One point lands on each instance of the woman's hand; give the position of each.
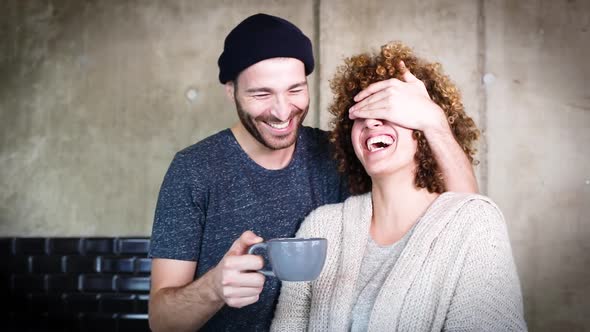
(403, 102)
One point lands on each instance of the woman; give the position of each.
(402, 255)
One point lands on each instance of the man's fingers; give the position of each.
(372, 99)
(241, 291)
(248, 279)
(375, 87)
(243, 263)
(241, 245)
(240, 302)
(243, 277)
(406, 74)
(374, 112)
(383, 106)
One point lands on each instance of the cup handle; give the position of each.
(264, 246)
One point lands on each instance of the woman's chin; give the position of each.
(377, 174)
(386, 173)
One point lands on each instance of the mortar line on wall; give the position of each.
(317, 78)
(482, 106)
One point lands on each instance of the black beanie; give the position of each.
(261, 37)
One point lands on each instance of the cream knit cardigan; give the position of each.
(456, 273)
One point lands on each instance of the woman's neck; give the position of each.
(397, 206)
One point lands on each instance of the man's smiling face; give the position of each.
(272, 100)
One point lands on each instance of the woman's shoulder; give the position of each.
(465, 202)
(478, 210)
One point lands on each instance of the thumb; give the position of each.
(245, 241)
(406, 74)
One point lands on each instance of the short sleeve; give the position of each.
(178, 221)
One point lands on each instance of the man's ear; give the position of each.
(229, 90)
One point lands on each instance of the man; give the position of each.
(259, 179)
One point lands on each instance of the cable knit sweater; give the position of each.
(456, 273)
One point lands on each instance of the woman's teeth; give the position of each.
(379, 142)
(279, 125)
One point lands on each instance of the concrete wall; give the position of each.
(538, 119)
(94, 102)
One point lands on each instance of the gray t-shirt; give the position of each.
(378, 261)
(213, 192)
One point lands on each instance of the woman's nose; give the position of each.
(372, 123)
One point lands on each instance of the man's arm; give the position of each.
(456, 168)
(407, 104)
(177, 303)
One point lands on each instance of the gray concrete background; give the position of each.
(94, 102)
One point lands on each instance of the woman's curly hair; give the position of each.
(357, 73)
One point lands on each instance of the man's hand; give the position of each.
(235, 279)
(179, 303)
(405, 103)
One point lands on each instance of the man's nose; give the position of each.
(281, 109)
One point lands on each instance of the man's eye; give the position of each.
(296, 90)
(262, 95)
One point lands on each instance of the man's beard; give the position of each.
(279, 142)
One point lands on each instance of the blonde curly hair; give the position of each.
(357, 73)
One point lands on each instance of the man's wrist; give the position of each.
(210, 291)
(438, 127)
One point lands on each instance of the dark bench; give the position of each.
(74, 284)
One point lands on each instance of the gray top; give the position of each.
(378, 261)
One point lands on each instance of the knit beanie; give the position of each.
(260, 37)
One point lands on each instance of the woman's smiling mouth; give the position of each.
(379, 142)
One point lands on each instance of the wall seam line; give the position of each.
(317, 51)
(482, 105)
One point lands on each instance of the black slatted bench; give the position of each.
(74, 284)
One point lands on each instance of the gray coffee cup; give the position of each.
(294, 259)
